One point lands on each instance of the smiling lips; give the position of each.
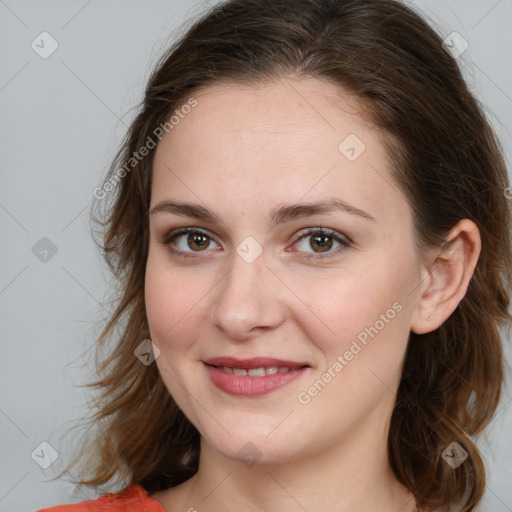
(250, 377)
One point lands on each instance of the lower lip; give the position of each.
(251, 386)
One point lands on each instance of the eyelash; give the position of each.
(344, 241)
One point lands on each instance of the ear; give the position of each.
(446, 277)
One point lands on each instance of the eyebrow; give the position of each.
(278, 215)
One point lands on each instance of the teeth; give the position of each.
(256, 372)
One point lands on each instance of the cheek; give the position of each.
(174, 302)
(363, 355)
(345, 303)
(364, 304)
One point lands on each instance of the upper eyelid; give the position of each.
(175, 233)
(320, 229)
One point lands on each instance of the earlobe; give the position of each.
(447, 277)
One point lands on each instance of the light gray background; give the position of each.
(62, 118)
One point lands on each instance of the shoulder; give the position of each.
(132, 499)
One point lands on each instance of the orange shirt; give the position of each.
(132, 499)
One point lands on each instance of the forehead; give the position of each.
(287, 105)
(279, 142)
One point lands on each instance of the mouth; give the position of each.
(256, 372)
(250, 377)
(255, 366)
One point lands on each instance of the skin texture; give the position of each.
(241, 152)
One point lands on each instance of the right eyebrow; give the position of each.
(185, 210)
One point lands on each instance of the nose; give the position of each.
(250, 299)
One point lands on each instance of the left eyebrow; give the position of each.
(278, 215)
(289, 212)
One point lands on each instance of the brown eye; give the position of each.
(197, 242)
(187, 241)
(323, 242)
(318, 243)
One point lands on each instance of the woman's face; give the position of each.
(256, 173)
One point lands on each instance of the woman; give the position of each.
(310, 226)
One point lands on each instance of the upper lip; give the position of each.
(254, 362)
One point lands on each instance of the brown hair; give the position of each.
(447, 162)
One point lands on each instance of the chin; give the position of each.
(251, 447)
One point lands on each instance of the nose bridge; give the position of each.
(246, 298)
